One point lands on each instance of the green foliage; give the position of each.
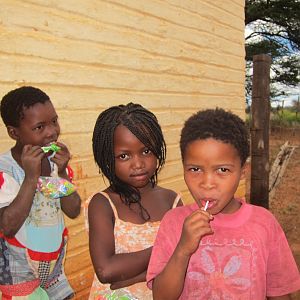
(275, 26)
(285, 118)
(280, 117)
(283, 13)
(273, 48)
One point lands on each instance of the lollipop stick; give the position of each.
(206, 205)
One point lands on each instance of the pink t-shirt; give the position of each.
(247, 257)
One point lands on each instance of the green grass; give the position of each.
(285, 118)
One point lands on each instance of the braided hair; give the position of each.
(217, 124)
(144, 125)
(15, 101)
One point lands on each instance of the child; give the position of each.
(129, 149)
(32, 231)
(233, 250)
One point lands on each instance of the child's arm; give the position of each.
(109, 266)
(120, 284)
(169, 283)
(14, 215)
(70, 205)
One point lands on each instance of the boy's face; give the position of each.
(212, 171)
(39, 127)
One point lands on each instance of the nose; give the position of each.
(52, 131)
(208, 181)
(138, 162)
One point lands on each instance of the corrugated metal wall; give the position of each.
(174, 57)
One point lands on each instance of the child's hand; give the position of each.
(194, 228)
(31, 159)
(61, 158)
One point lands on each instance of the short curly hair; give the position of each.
(14, 102)
(217, 124)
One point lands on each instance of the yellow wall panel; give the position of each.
(174, 57)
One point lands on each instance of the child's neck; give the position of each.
(146, 188)
(16, 154)
(233, 206)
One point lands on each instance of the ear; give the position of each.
(12, 132)
(245, 169)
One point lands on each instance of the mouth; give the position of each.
(49, 144)
(208, 202)
(140, 176)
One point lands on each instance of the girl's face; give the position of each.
(39, 127)
(212, 171)
(135, 164)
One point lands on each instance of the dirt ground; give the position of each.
(285, 204)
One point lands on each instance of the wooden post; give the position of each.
(260, 109)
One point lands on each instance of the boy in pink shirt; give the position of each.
(219, 247)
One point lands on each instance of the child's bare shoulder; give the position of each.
(167, 194)
(99, 204)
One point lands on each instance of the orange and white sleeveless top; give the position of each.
(129, 237)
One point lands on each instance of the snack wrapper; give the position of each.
(55, 187)
(118, 295)
(52, 147)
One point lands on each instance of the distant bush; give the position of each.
(285, 118)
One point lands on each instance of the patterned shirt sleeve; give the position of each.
(9, 189)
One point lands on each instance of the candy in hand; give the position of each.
(52, 147)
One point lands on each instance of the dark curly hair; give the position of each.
(144, 125)
(220, 125)
(14, 102)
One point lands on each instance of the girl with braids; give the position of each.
(130, 150)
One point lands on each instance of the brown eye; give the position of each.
(37, 128)
(223, 170)
(123, 156)
(147, 151)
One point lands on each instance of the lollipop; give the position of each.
(53, 147)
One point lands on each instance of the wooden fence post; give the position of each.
(260, 110)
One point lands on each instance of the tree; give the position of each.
(275, 30)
